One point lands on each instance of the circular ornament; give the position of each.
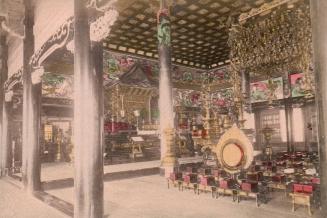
(232, 155)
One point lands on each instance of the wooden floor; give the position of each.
(148, 197)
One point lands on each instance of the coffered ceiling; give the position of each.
(199, 30)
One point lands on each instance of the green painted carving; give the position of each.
(187, 77)
(52, 79)
(56, 85)
(164, 28)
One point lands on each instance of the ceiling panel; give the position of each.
(199, 29)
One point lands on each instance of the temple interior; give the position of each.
(219, 104)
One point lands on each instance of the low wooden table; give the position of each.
(301, 199)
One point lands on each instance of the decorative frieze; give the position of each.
(13, 80)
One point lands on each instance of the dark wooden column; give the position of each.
(289, 124)
(245, 89)
(288, 107)
(88, 119)
(165, 89)
(6, 142)
(5, 136)
(319, 33)
(258, 127)
(31, 110)
(3, 77)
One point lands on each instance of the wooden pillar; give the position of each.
(149, 108)
(165, 89)
(88, 119)
(6, 142)
(319, 33)
(6, 111)
(304, 109)
(258, 136)
(288, 107)
(6, 105)
(3, 78)
(289, 124)
(245, 89)
(31, 167)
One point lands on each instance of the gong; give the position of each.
(233, 155)
(234, 150)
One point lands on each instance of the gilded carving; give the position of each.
(170, 157)
(265, 7)
(278, 43)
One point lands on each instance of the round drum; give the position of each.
(232, 155)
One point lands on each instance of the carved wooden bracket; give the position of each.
(59, 39)
(13, 80)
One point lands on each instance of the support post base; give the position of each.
(168, 166)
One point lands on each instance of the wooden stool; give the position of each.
(247, 195)
(301, 199)
(207, 184)
(229, 192)
(190, 182)
(175, 179)
(248, 190)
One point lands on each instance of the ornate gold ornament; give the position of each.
(278, 43)
(271, 86)
(267, 133)
(267, 7)
(170, 158)
(234, 150)
(236, 81)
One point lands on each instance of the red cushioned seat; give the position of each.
(175, 176)
(249, 187)
(315, 180)
(225, 184)
(299, 188)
